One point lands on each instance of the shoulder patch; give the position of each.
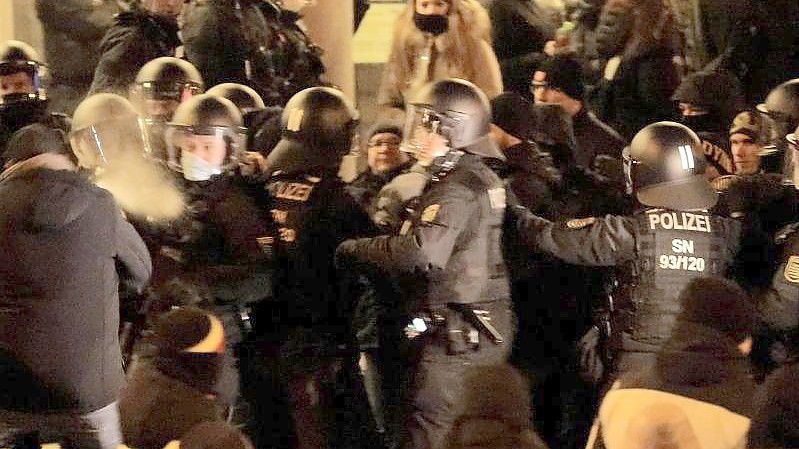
(497, 197)
(791, 272)
(430, 212)
(579, 223)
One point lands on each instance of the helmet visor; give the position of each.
(419, 123)
(158, 101)
(790, 174)
(628, 163)
(104, 142)
(219, 146)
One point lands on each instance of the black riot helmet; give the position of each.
(665, 168)
(162, 84)
(244, 97)
(317, 129)
(781, 112)
(455, 109)
(103, 126)
(204, 125)
(19, 57)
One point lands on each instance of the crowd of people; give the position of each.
(576, 227)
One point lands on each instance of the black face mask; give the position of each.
(702, 123)
(14, 116)
(431, 23)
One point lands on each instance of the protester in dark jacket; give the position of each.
(64, 246)
(702, 369)
(172, 391)
(137, 37)
(558, 80)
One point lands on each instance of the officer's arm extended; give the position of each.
(425, 246)
(604, 241)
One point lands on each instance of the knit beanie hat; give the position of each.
(561, 72)
(719, 304)
(514, 114)
(189, 345)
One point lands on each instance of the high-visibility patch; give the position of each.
(579, 223)
(430, 213)
(791, 272)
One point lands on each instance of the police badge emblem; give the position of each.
(791, 272)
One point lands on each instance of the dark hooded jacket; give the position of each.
(64, 246)
(135, 38)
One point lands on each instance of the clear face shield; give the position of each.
(423, 135)
(774, 154)
(790, 174)
(200, 152)
(157, 102)
(628, 163)
(103, 143)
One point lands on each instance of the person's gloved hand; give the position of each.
(252, 165)
(396, 194)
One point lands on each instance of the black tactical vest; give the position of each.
(673, 248)
(306, 233)
(475, 272)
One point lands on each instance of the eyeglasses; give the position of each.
(391, 144)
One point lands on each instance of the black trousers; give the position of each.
(438, 375)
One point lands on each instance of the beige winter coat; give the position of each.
(464, 51)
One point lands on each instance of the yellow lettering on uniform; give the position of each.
(280, 216)
(293, 191)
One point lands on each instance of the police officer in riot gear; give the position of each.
(253, 110)
(302, 339)
(672, 240)
(218, 245)
(779, 308)
(460, 310)
(23, 100)
(159, 88)
(781, 109)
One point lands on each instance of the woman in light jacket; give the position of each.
(439, 39)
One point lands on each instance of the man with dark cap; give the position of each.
(559, 80)
(146, 32)
(702, 369)
(173, 390)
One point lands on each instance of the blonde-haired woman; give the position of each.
(439, 39)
